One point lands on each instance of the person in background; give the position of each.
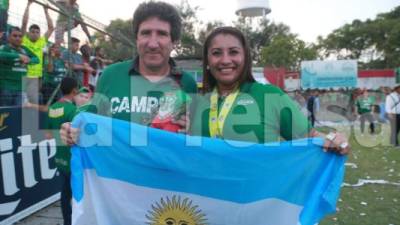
(364, 104)
(62, 25)
(392, 107)
(86, 52)
(98, 63)
(4, 5)
(60, 112)
(73, 61)
(83, 97)
(56, 71)
(14, 59)
(313, 106)
(385, 91)
(235, 107)
(37, 44)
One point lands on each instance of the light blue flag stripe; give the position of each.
(298, 172)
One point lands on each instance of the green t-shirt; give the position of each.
(260, 114)
(11, 69)
(4, 4)
(61, 112)
(123, 93)
(35, 71)
(364, 105)
(59, 72)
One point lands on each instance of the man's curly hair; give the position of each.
(162, 11)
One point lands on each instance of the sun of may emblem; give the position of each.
(175, 212)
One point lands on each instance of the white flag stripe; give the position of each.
(132, 203)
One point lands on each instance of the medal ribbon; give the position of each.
(217, 121)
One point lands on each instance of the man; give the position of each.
(73, 61)
(4, 4)
(14, 59)
(62, 21)
(36, 43)
(364, 105)
(60, 112)
(392, 107)
(98, 63)
(313, 106)
(131, 90)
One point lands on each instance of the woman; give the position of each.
(235, 107)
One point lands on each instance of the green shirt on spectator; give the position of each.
(364, 105)
(4, 4)
(61, 112)
(11, 68)
(59, 72)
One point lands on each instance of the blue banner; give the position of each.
(329, 74)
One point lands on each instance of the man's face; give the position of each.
(154, 43)
(15, 39)
(34, 34)
(75, 47)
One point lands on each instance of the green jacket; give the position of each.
(4, 4)
(11, 68)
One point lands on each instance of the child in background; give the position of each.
(60, 112)
(83, 97)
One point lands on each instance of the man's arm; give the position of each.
(25, 18)
(50, 25)
(8, 57)
(85, 29)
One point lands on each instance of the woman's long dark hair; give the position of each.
(209, 82)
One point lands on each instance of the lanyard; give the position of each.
(217, 121)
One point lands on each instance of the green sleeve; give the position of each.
(293, 124)
(188, 83)
(32, 56)
(8, 57)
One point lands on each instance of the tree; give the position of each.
(116, 49)
(189, 45)
(375, 43)
(287, 51)
(261, 35)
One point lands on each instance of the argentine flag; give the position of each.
(123, 173)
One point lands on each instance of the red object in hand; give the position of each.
(165, 124)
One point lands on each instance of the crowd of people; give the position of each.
(381, 106)
(32, 66)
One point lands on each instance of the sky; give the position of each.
(307, 18)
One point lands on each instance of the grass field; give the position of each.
(370, 204)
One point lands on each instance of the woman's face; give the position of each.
(226, 59)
